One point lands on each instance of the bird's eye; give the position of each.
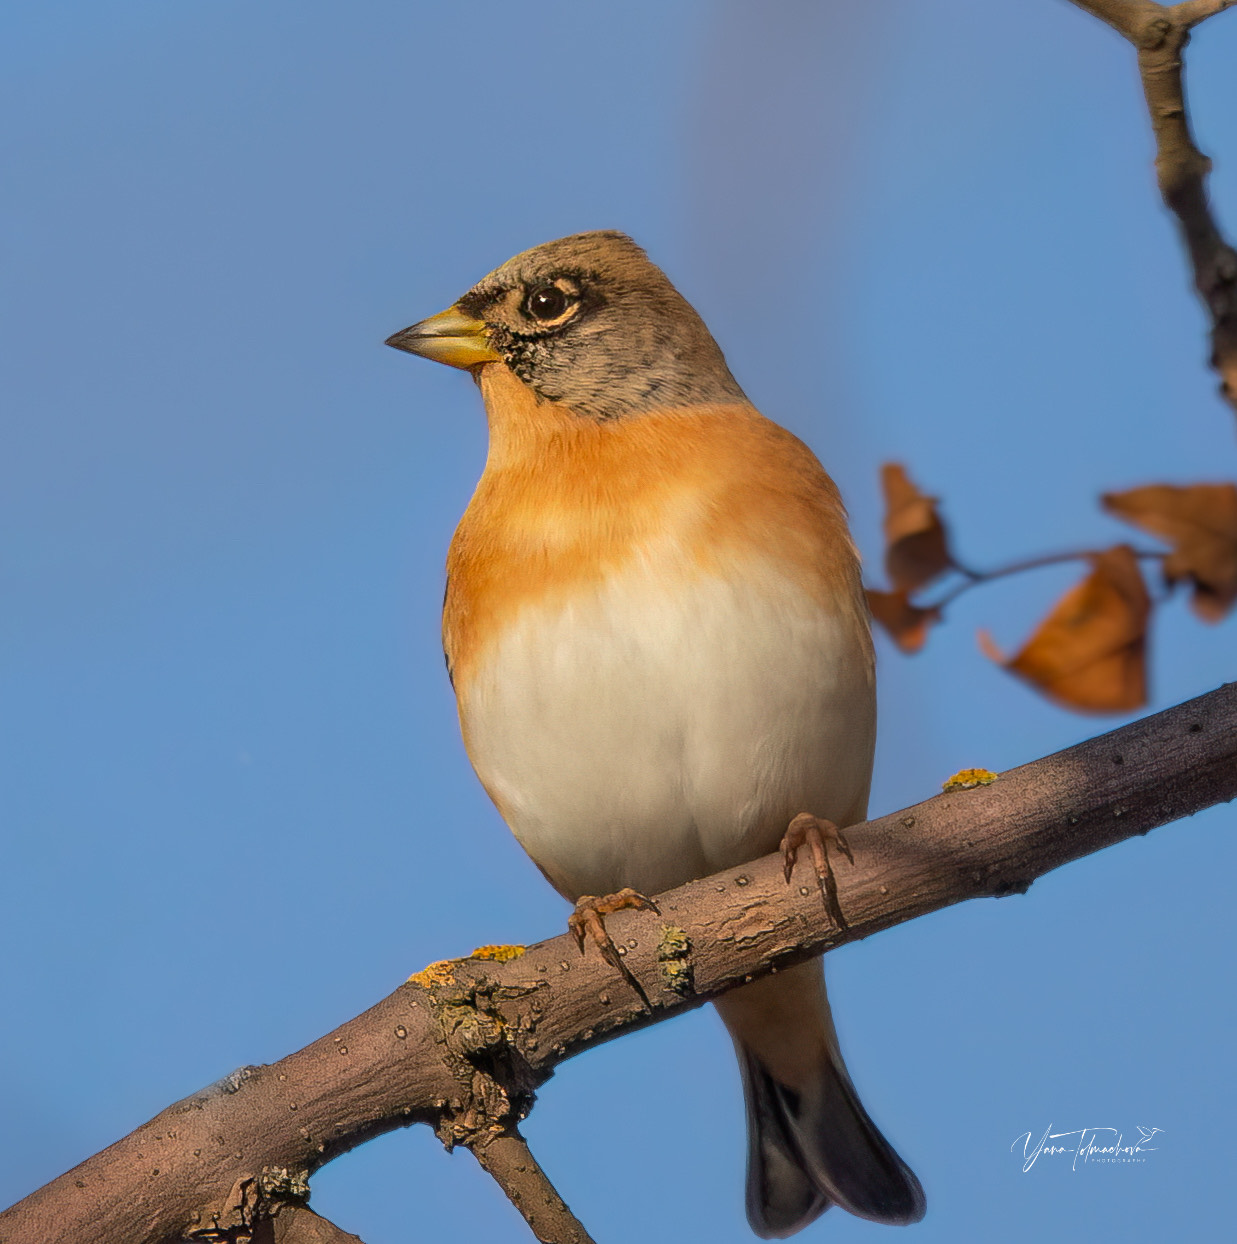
(546, 302)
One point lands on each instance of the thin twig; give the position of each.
(508, 1158)
(1160, 34)
(973, 578)
(1130, 18)
(1191, 12)
(1143, 21)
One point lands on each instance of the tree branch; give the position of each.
(508, 1158)
(298, 1224)
(464, 1050)
(973, 578)
(1160, 33)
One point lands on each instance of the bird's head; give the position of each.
(586, 321)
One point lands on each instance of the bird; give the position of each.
(656, 630)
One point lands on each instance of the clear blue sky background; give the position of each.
(235, 810)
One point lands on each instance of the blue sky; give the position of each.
(235, 809)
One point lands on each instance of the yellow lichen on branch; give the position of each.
(968, 779)
(498, 954)
(440, 973)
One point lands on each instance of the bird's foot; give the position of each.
(817, 834)
(587, 921)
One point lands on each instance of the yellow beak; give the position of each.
(449, 337)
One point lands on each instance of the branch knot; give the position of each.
(495, 1081)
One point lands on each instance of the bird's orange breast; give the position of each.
(565, 501)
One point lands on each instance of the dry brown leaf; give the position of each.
(907, 624)
(1200, 523)
(1089, 653)
(916, 545)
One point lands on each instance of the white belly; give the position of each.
(649, 732)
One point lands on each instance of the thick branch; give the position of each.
(464, 1051)
(1160, 33)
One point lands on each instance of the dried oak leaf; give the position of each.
(907, 624)
(1200, 523)
(1089, 653)
(916, 546)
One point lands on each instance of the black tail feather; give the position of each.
(781, 1199)
(808, 1150)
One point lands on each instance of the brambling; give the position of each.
(660, 649)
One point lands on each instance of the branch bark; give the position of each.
(298, 1224)
(1160, 33)
(508, 1159)
(464, 1050)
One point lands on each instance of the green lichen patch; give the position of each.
(674, 960)
(280, 1184)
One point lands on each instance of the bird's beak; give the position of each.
(449, 337)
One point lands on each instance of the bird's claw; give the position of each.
(587, 922)
(817, 834)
